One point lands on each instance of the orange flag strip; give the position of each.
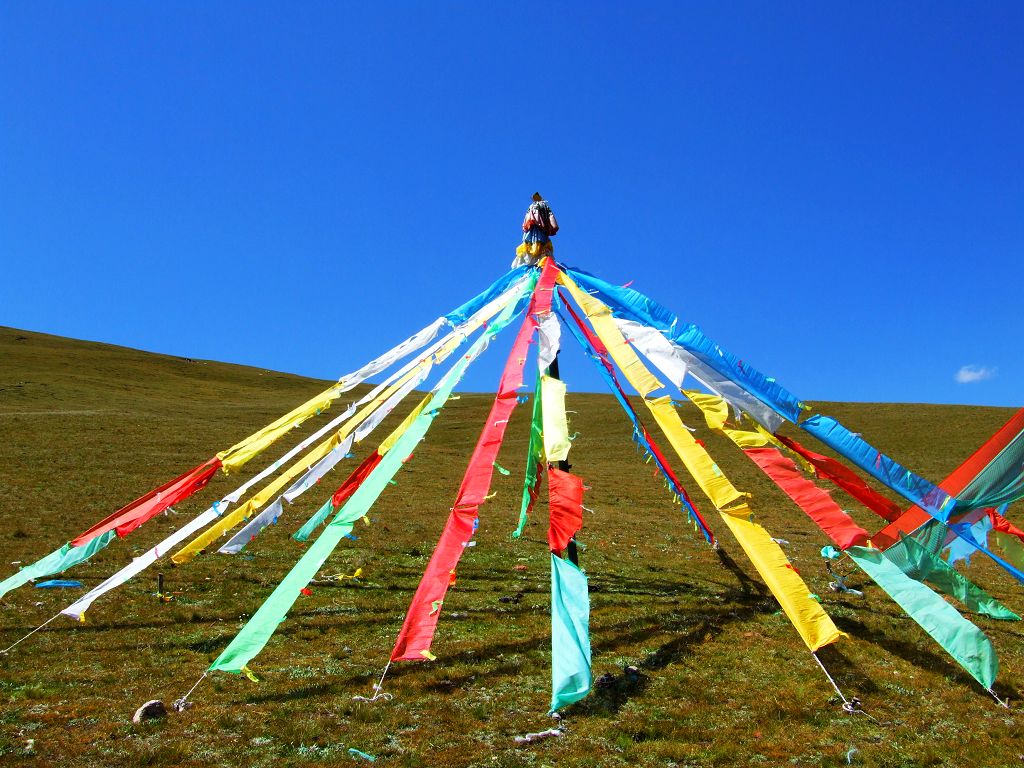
(957, 481)
(813, 625)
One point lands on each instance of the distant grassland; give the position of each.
(723, 678)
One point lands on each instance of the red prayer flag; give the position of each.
(846, 479)
(417, 631)
(565, 498)
(816, 502)
(131, 516)
(353, 481)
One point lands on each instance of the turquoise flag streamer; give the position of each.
(314, 522)
(56, 562)
(254, 635)
(959, 637)
(919, 563)
(570, 634)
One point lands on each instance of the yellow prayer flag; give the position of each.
(811, 622)
(280, 483)
(556, 426)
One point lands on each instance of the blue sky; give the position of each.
(834, 192)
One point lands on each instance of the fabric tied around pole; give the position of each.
(571, 677)
(556, 425)
(565, 498)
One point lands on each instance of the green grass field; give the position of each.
(723, 679)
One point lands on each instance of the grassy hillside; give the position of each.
(722, 678)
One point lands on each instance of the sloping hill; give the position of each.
(721, 678)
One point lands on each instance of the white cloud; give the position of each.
(969, 374)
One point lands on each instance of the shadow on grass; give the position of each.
(297, 694)
(847, 674)
(920, 658)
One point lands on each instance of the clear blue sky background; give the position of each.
(834, 192)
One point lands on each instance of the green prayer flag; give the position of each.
(314, 522)
(534, 460)
(959, 637)
(570, 634)
(56, 562)
(918, 563)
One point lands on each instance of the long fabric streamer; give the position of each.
(549, 335)
(676, 363)
(756, 444)
(814, 501)
(258, 630)
(555, 426)
(417, 631)
(78, 608)
(152, 504)
(594, 348)
(960, 638)
(813, 625)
